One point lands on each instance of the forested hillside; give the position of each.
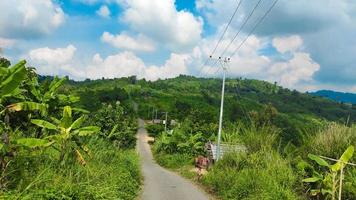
(198, 99)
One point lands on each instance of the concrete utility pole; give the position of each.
(165, 124)
(224, 64)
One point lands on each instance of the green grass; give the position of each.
(173, 161)
(110, 173)
(261, 175)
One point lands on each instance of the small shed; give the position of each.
(211, 148)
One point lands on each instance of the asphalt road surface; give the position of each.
(159, 183)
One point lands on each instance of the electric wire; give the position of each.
(239, 31)
(241, 27)
(254, 28)
(221, 37)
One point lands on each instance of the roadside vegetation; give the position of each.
(64, 139)
(52, 147)
(280, 140)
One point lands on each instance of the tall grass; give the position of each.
(259, 173)
(110, 173)
(332, 140)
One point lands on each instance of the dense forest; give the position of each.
(65, 139)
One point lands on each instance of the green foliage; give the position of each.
(332, 140)
(109, 174)
(326, 182)
(67, 133)
(117, 125)
(260, 175)
(181, 142)
(11, 78)
(154, 130)
(39, 125)
(173, 161)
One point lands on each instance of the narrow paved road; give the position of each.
(159, 183)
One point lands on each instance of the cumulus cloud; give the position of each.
(294, 71)
(125, 41)
(128, 64)
(327, 30)
(287, 44)
(104, 11)
(160, 20)
(174, 66)
(52, 61)
(61, 61)
(53, 56)
(300, 68)
(29, 19)
(119, 65)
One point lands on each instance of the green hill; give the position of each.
(199, 99)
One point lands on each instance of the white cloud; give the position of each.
(176, 65)
(159, 20)
(295, 72)
(287, 44)
(30, 18)
(122, 64)
(104, 11)
(119, 65)
(49, 61)
(124, 41)
(53, 56)
(300, 68)
(6, 43)
(128, 64)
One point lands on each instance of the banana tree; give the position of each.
(68, 134)
(10, 79)
(329, 182)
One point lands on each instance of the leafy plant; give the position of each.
(327, 183)
(68, 134)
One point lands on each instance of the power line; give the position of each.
(241, 27)
(254, 28)
(221, 37)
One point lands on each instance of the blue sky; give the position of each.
(304, 45)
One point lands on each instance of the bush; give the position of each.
(173, 161)
(154, 130)
(109, 174)
(261, 175)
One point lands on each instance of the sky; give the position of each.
(304, 45)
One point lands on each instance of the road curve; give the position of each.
(159, 183)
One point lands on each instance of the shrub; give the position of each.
(260, 175)
(110, 174)
(173, 161)
(154, 130)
